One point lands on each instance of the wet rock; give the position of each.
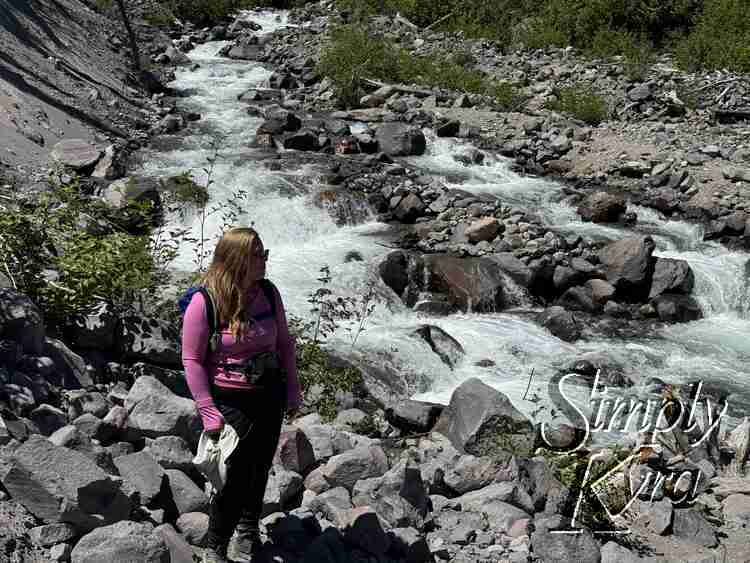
(443, 344)
(677, 308)
(629, 266)
(448, 129)
(485, 228)
(482, 421)
(393, 271)
(121, 543)
(398, 139)
(602, 207)
(77, 154)
(671, 276)
(303, 140)
(409, 209)
(561, 323)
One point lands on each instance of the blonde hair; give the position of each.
(226, 276)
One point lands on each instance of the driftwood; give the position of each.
(731, 115)
(438, 22)
(714, 84)
(419, 92)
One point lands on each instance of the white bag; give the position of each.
(212, 454)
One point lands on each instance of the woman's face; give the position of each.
(256, 269)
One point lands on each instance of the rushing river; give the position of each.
(302, 238)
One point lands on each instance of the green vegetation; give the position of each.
(704, 33)
(66, 251)
(353, 54)
(720, 38)
(582, 102)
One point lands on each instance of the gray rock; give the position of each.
(614, 553)
(468, 473)
(345, 469)
(482, 421)
(60, 552)
(485, 228)
(61, 485)
(736, 509)
(398, 139)
(193, 526)
(443, 344)
(629, 266)
(171, 452)
(185, 493)
(363, 529)
(149, 340)
(333, 505)
(736, 174)
(658, 515)
(142, 473)
(677, 308)
(671, 276)
(603, 207)
(482, 500)
(690, 525)
(561, 323)
(76, 154)
(640, 93)
(561, 548)
(399, 497)
(50, 534)
(179, 549)
(121, 192)
(70, 369)
(739, 440)
(21, 321)
(161, 412)
(283, 486)
(410, 545)
(326, 441)
(348, 419)
(295, 452)
(109, 166)
(413, 416)
(409, 209)
(123, 542)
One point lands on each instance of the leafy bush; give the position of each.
(720, 38)
(353, 53)
(66, 251)
(583, 103)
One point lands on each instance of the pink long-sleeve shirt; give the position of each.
(267, 335)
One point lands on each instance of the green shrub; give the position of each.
(66, 251)
(583, 103)
(720, 38)
(352, 53)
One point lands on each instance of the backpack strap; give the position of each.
(269, 292)
(213, 319)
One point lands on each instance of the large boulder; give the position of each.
(671, 276)
(123, 542)
(77, 154)
(21, 321)
(476, 284)
(120, 193)
(394, 271)
(61, 485)
(143, 474)
(443, 344)
(555, 547)
(629, 266)
(399, 497)
(70, 369)
(409, 209)
(561, 323)
(294, 452)
(156, 411)
(149, 340)
(677, 308)
(482, 421)
(399, 139)
(602, 207)
(413, 416)
(187, 496)
(345, 469)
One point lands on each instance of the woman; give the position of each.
(250, 321)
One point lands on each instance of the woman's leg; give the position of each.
(226, 506)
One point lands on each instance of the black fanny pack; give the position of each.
(263, 370)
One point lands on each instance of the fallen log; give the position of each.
(419, 92)
(731, 115)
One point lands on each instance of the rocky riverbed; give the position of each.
(616, 266)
